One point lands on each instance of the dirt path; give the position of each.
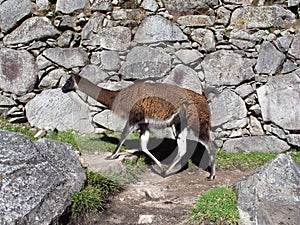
(160, 201)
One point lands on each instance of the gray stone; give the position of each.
(42, 5)
(189, 7)
(196, 20)
(256, 143)
(283, 43)
(223, 16)
(92, 28)
(109, 120)
(69, 6)
(54, 79)
(280, 102)
(42, 62)
(150, 5)
(294, 139)
(38, 179)
(262, 17)
(269, 59)
(272, 129)
(18, 72)
(6, 101)
(65, 39)
(156, 28)
(102, 5)
(255, 127)
(288, 66)
(205, 38)
(34, 28)
(12, 12)
(227, 107)
(94, 74)
(242, 39)
(188, 56)
(110, 60)
(67, 57)
(244, 90)
(53, 109)
(227, 68)
(185, 77)
(295, 47)
(292, 3)
(270, 195)
(115, 38)
(146, 62)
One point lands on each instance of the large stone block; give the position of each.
(53, 109)
(38, 179)
(146, 62)
(18, 72)
(156, 28)
(271, 194)
(279, 99)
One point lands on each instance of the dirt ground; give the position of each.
(160, 201)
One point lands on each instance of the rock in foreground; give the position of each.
(271, 194)
(37, 180)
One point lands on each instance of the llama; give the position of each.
(155, 104)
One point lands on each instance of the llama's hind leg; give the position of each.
(126, 131)
(182, 149)
(210, 147)
(144, 138)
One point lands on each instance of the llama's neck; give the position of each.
(102, 95)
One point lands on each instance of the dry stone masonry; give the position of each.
(244, 54)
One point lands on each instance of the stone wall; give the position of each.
(249, 50)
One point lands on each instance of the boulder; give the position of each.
(146, 62)
(256, 143)
(38, 179)
(270, 195)
(184, 77)
(53, 109)
(205, 38)
(191, 7)
(273, 97)
(196, 20)
(295, 47)
(263, 17)
(188, 56)
(113, 38)
(156, 28)
(110, 60)
(12, 12)
(109, 120)
(269, 59)
(227, 68)
(94, 74)
(18, 72)
(69, 6)
(67, 57)
(102, 5)
(228, 110)
(34, 28)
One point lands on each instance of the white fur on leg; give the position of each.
(144, 142)
(182, 148)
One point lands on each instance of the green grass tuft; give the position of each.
(94, 193)
(216, 205)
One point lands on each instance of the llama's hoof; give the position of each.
(211, 177)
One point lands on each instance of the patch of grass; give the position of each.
(242, 160)
(64, 136)
(94, 193)
(216, 205)
(16, 127)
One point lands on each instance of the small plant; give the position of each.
(94, 193)
(216, 205)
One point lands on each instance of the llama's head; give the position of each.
(70, 85)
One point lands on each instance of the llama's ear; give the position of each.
(69, 85)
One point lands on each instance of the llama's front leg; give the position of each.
(144, 139)
(126, 131)
(182, 149)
